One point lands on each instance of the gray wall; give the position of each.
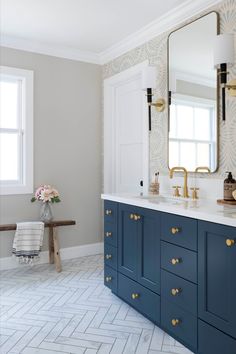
(67, 146)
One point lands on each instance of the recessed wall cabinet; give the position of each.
(177, 271)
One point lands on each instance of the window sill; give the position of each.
(16, 189)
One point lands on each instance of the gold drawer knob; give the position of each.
(175, 261)
(108, 234)
(175, 322)
(108, 212)
(175, 230)
(135, 296)
(230, 242)
(108, 279)
(135, 217)
(108, 256)
(175, 292)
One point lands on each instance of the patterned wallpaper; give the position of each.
(156, 52)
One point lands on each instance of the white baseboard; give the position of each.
(66, 253)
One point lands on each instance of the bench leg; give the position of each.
(57, 258)
(51, 245)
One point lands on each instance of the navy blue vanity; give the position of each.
(177, 271)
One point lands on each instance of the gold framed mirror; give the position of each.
(193, 96)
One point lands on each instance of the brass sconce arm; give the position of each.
(159, 104)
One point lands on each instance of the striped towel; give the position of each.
(28, 241)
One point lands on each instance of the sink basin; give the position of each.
(165, 199)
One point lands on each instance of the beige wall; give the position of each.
(67, 146)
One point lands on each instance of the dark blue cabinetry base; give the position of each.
(178, 272)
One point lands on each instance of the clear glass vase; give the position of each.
(46, 212)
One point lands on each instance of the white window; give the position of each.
(16, 131)
(193, 133)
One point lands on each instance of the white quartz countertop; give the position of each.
(207, 210)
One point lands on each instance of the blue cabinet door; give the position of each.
(149, 250)
(128, 230)
(217, 276)
(139, 245)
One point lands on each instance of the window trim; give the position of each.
(25, 186)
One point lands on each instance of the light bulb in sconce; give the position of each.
(223, 59)
(149, 75)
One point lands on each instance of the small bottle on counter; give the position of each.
(229, 187)
(154, 185)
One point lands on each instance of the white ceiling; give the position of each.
(91, 26)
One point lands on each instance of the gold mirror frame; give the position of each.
(217, 88)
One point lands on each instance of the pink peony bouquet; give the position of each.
(46, 194)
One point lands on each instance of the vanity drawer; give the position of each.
(179, 261)
(142, 299)
(110, 233)
(110, 279)
(179, 291)
(179, 230)
(180, 323)
(110, 211)
(110, 256)
(211, 340)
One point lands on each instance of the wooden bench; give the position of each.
(53, 244)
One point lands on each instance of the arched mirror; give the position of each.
(193, 96)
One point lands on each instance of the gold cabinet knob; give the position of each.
(230, 242)
(108, 212)
(175, 291)
(108, 256)
(175, 322)
(175, 230)
(108, 234)
(135, 296)
(175, 261)
(108, 279)
(135, 217)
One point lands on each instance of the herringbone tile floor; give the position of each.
(45, 312)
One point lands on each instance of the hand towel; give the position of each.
(28, 241)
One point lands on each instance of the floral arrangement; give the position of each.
(46, 194)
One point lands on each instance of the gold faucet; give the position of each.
(185, 188)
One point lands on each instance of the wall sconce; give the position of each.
(149, 74)
(223, 56)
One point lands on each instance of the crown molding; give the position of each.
(48, 49)
(162, 24)
(169, 20)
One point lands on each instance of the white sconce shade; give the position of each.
(223, 49)
(149, 77)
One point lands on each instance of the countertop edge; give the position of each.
(195, 214)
